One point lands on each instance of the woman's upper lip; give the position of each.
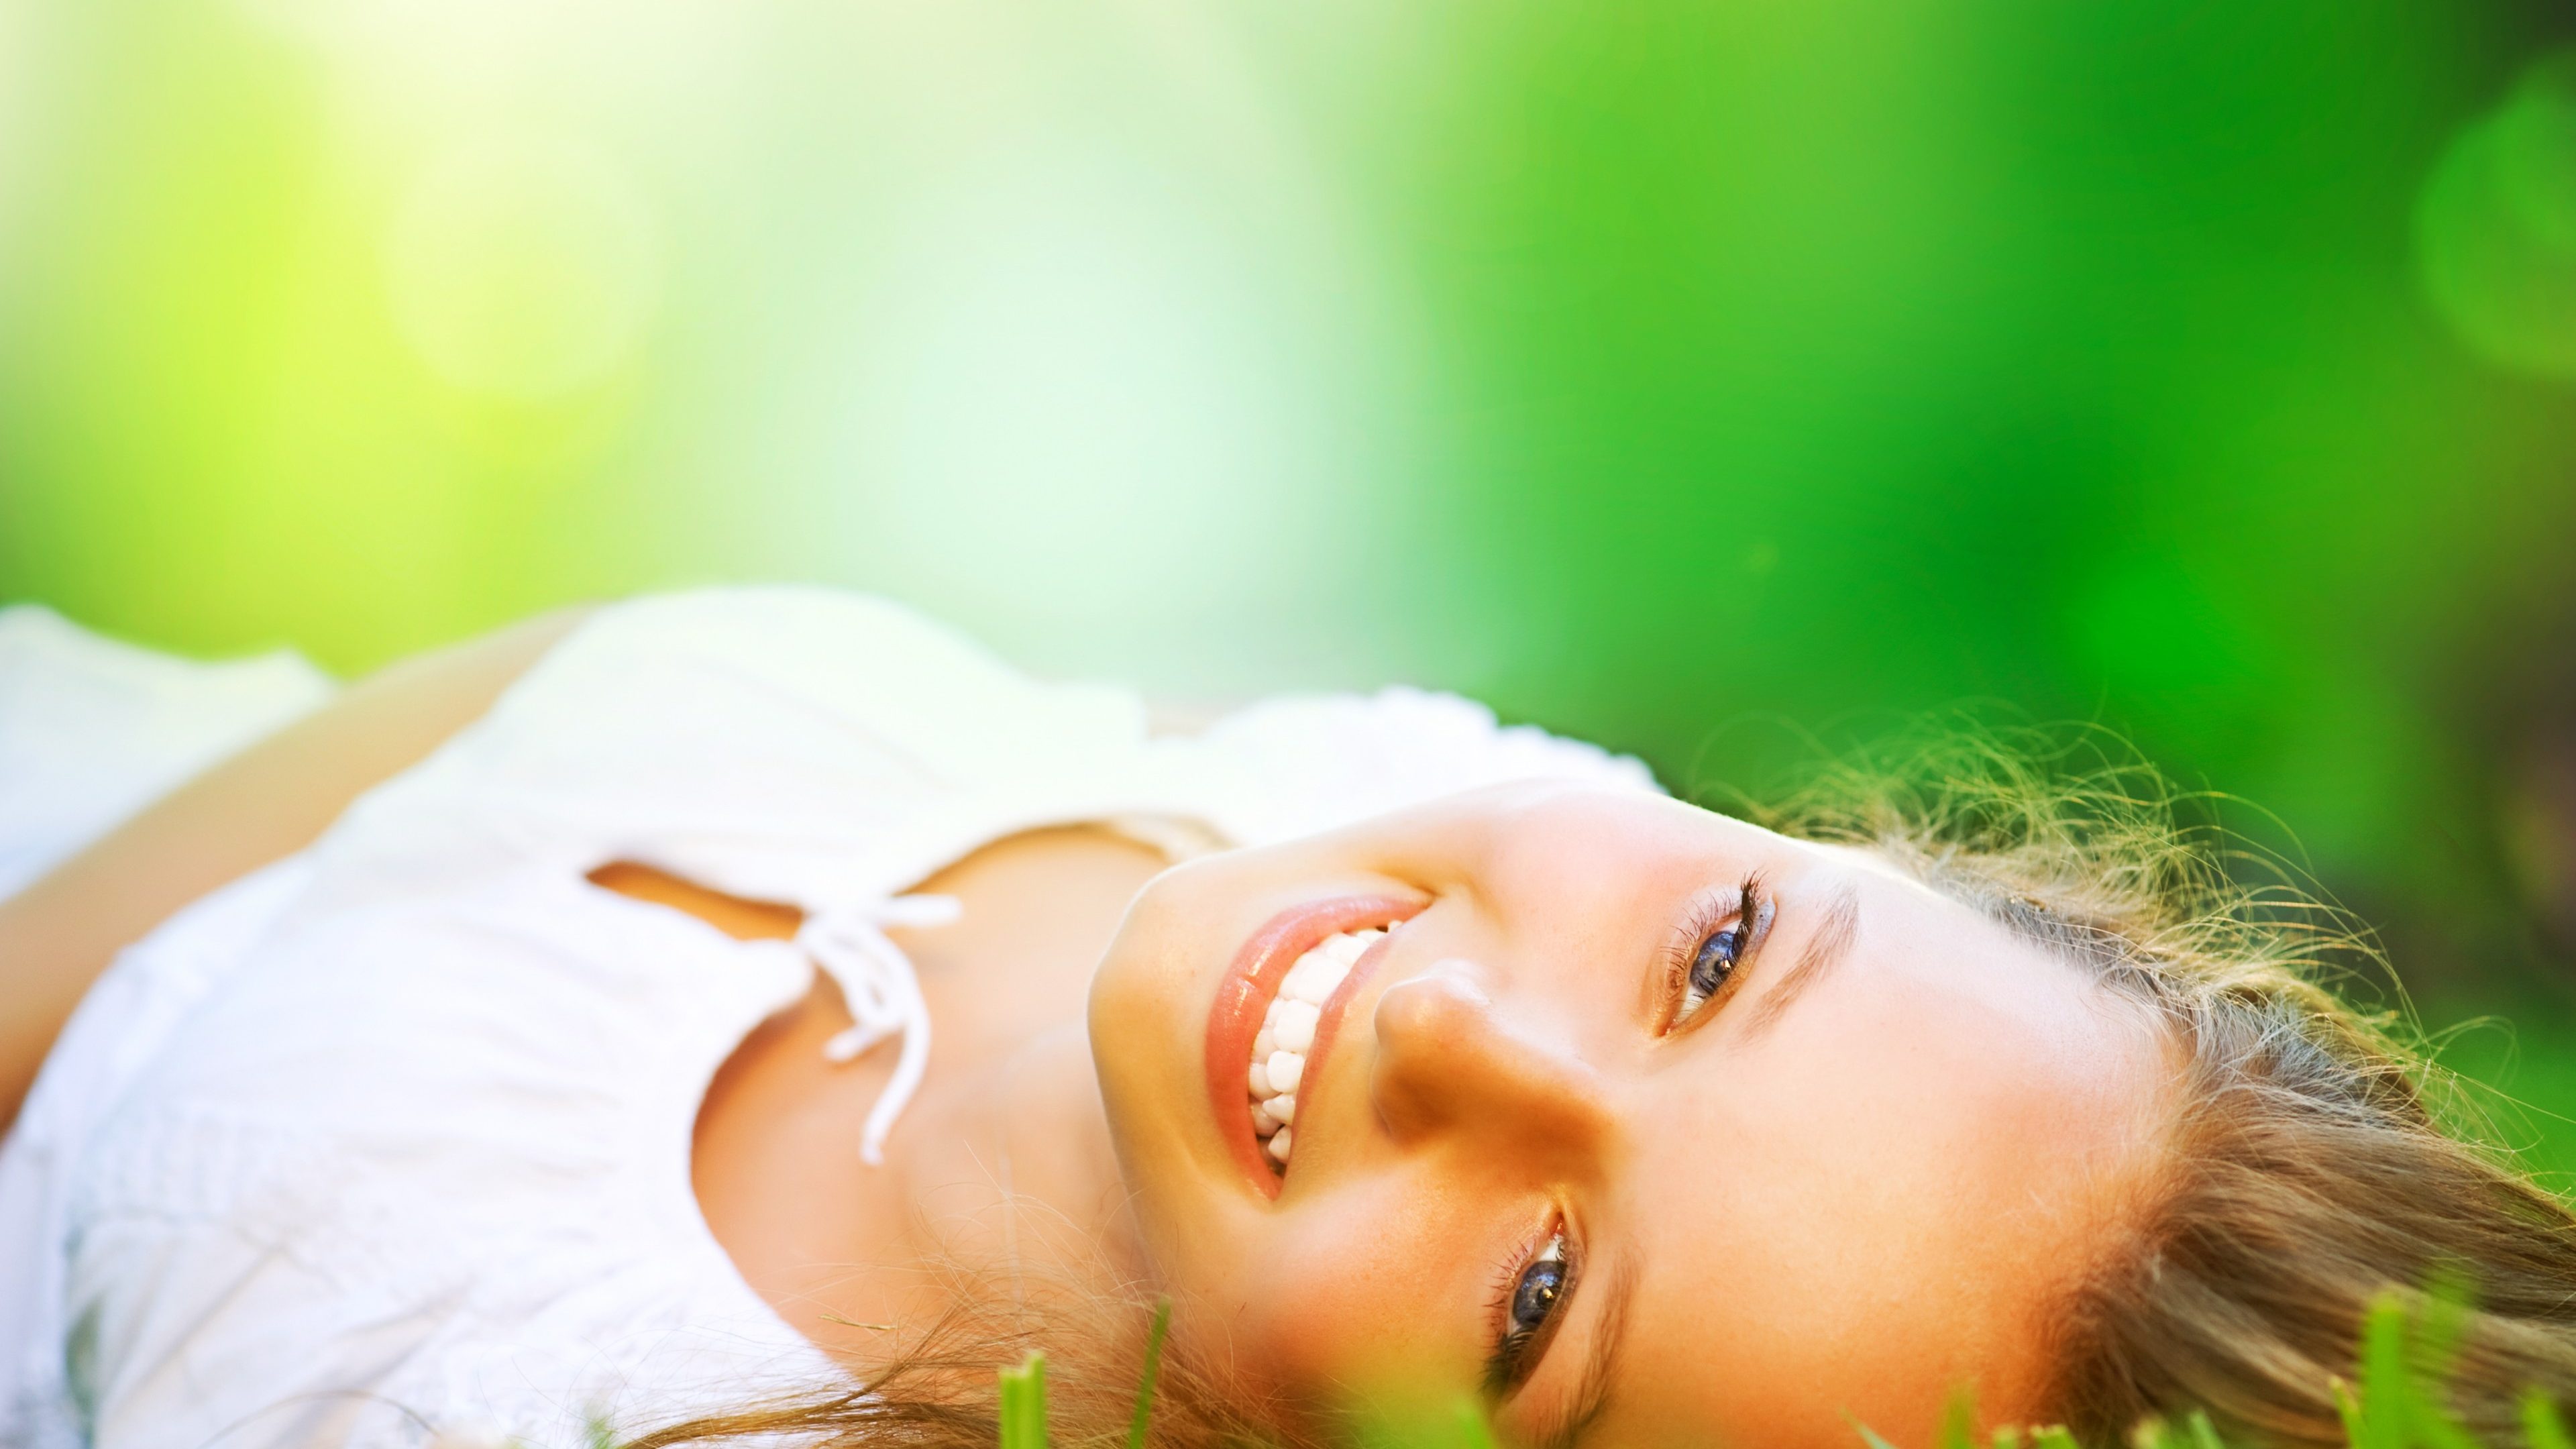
(1243, 995)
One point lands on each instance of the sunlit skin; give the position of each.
(1830, 1204)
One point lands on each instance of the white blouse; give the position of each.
(392, 1138)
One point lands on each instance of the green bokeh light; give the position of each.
(2498, 226)
(2200, 369)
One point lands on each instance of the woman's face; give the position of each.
(1644, 1125)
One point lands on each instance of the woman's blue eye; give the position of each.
(1715, 961)
(1537, 1293)
(1708, 948)
(1541, 1284)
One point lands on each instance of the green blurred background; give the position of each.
(1687, 374)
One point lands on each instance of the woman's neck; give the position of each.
(1000, 1169)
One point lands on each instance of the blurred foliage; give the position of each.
(1696, 375)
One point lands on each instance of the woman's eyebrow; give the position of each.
(1837, 925)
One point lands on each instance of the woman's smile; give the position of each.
(1296, 1029)
(1274, 984)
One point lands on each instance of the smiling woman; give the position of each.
(1622, 1060)
(586, 1071)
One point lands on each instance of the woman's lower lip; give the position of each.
(1243, 995)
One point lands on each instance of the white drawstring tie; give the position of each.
(850, 945)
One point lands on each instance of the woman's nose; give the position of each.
(1452, 1060)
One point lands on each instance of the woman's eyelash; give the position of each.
(1529, 1301)
(1709, 950)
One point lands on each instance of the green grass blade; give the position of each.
(2541, 1426)
(1153, 1370)
(1869, 1436)
(2383, 1400)
(1473, 1431)
(2203, 1434)
(1959, 1422)
(1024, 1405)
(2052, 1436)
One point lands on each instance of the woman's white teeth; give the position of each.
(1283, 1069)
(1295, 1028)
(1288, 1033)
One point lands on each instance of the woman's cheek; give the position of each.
(1353, 1299)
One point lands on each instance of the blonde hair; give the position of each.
(2306, 1173)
